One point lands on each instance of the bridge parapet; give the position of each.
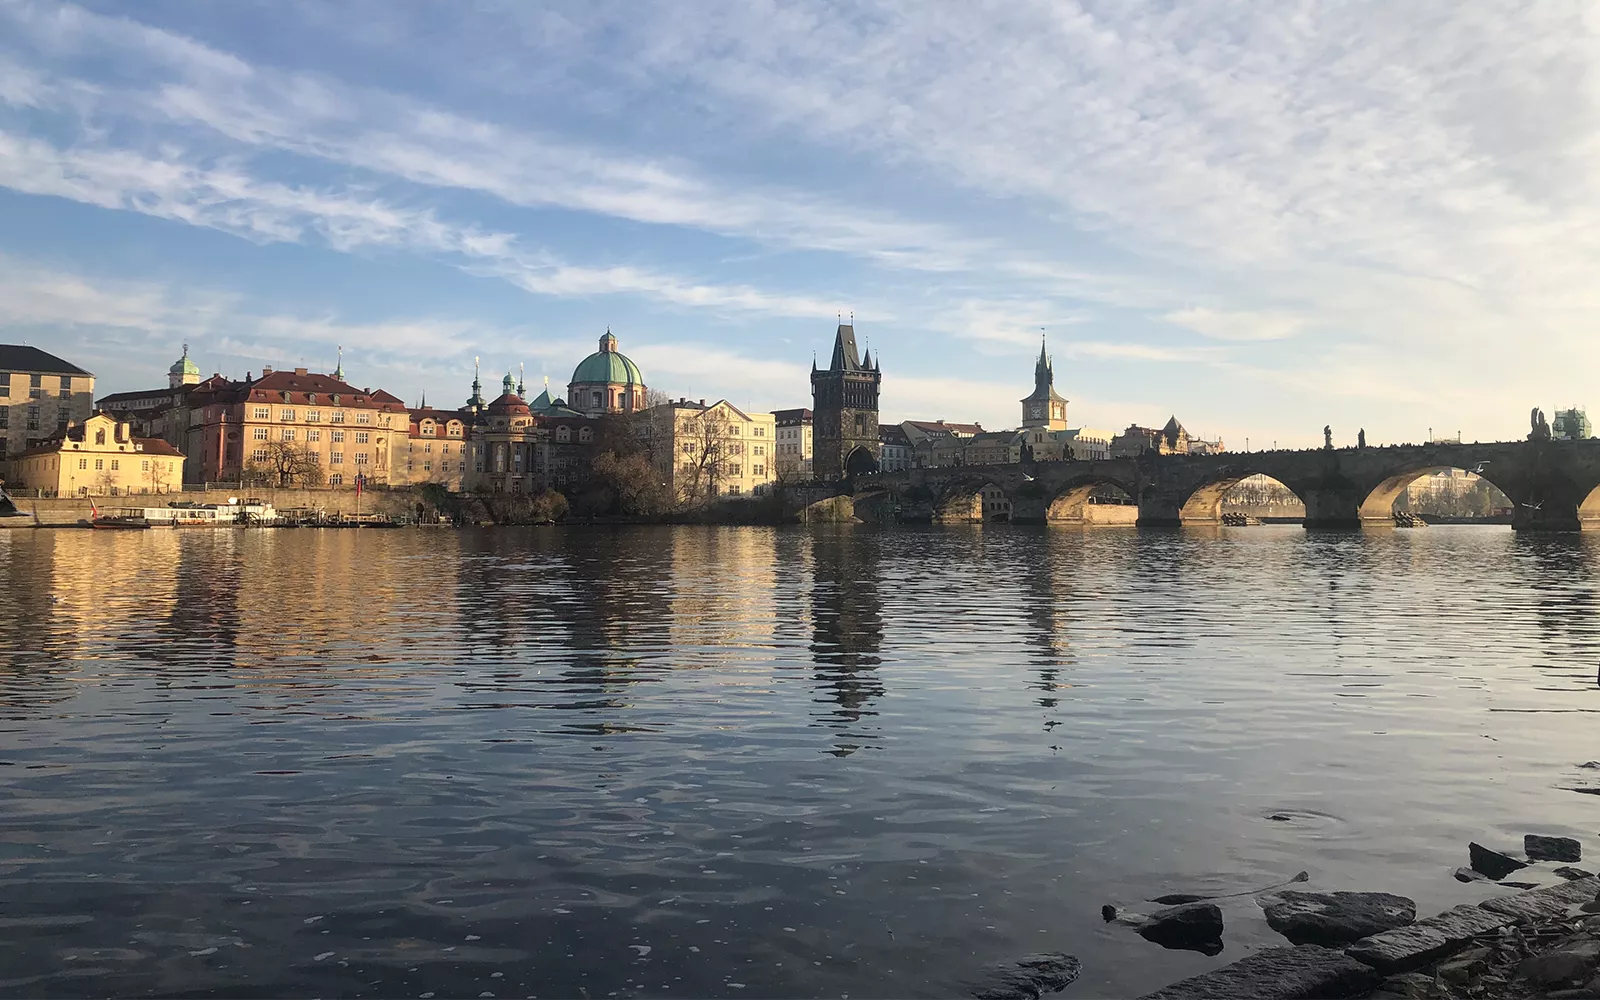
(1553, 485)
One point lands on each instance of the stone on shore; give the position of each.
(1029, 978)
(1468, 875)
(1194, 926)
(1569, 965)
(1539, 848)
(1492, 863)
(1336, 918)
(1407, 948)
(1298, 973)
(1569, 872)
(1541, 904)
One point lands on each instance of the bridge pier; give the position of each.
(1160, 509)
(1029, 510)
(1339, 507)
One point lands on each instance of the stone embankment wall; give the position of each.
(55, 511)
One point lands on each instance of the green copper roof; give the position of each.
(608, 365)
(184, 365)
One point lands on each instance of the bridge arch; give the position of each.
(1075, 500)
(1204, 503)
(960, 497)
(1379, 504)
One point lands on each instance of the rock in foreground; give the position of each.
(1539, 848)
(1029, 978)
(1336, 918)
(1195, 927)
(1492, 863)
(1298, 973)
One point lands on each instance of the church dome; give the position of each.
(607, 366)
(509, 404)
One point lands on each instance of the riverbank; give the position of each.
(1542, 941)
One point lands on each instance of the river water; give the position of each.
(752, 762)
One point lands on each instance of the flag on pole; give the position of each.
(359, 480)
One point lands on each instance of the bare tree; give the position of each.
(703, 453)
(158, 475)
(286, 464)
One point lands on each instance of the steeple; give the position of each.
(520, 373)
(845, 357)
(1044, 374)
(475, 403)
(1044, 408)
(338, 369)
(424, 404)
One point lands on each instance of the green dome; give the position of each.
(607, 366)
(184, 366)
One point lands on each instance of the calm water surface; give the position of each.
(748, 762)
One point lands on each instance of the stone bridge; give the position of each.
(1553, 485)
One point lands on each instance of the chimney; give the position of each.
(702, 402)
(301, 371)
(265, 371)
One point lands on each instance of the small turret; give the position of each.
(338, 369)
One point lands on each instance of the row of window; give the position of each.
(34, 382)
(334, 457)
(312, 416)
(444, 448)
(288, 434)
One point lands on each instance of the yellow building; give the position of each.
(710, 451)
(436, 449)
(100, 457)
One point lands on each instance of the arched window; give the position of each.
(563, 433)
(586, 434)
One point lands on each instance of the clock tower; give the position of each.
(1044, 409)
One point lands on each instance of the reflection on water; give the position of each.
(747, 762)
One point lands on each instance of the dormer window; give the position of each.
(286, 394)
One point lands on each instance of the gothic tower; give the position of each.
(1044, 408)
(844, 402)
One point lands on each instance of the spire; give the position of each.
(1044, 375)
(338, 369)
(424, 404)
(521, 371)
(476, 401)
(845, 357)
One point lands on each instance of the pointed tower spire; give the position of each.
(424, 404)
(475, 403)
(338, 369)
(521, 372)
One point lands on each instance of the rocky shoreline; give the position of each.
(1540, 942)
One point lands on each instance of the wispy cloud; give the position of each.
(1237, 325)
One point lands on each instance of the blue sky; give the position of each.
(1263, 218)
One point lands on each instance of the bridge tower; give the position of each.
(1045, 408)
(844, 403)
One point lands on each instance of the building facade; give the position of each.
(895, 453)
(1044, 408)
(295, 428)
(607, 381)
(437, 448)
(99, 457)
(705, 451)
(792, 457)
(1135, 441)
(40, 395)
(844, 402)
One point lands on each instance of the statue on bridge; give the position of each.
(1361, 438)
(1327, 437)
(1540, 429)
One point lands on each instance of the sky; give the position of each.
(1262, 218)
